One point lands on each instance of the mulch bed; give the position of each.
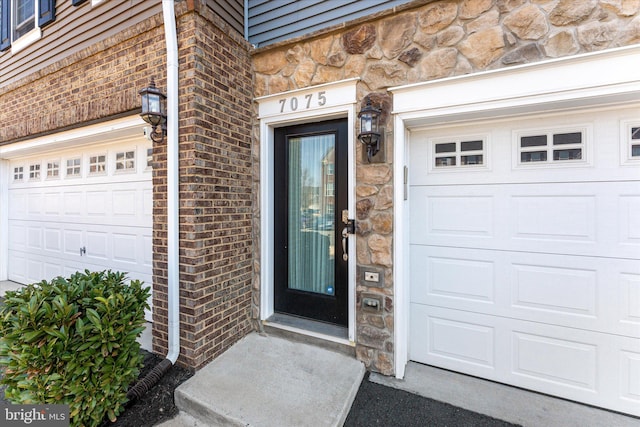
(154, 407)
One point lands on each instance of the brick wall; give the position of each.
(215, 193)
(215, 84)
(99, 82)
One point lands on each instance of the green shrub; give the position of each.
(73, 341)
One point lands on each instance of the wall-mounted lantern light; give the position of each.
(370, 134)
(154, 111)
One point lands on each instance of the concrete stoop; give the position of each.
(270, 381)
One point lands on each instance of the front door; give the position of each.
(310, 182)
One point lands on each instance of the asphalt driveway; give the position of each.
(378, 405)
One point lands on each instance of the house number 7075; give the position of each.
(306, 102)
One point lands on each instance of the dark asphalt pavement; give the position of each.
(378, 405)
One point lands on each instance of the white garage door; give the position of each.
(525, 253)
(88, 208)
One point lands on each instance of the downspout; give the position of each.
(173, 272)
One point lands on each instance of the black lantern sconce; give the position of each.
(370, 134)
(154, 111)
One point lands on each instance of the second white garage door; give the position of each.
(525, 253)
(88, 208)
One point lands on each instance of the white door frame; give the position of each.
(576, 82)
(4, 219)
(316, 103)
(107, 132)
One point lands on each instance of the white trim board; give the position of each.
(4, 219)
(607, 77)
(107, 132)
(340, 102)
(578, 82)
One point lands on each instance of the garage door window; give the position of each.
(34, 171)
(74, 167)
(53, 169)
(149, 159)
(551, 147)
(18, 173)
(459, 153)
(635, 140)
(98, 164)
(126, 161)
(630, 142)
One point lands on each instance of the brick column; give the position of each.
(215, 192)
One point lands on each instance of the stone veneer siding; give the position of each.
(215, 83)
(424, 40)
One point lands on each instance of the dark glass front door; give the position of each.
(310, 274)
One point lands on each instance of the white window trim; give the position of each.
(4, 218)
(586, 146)
(32, 36)
(626, 142)
(339, 102)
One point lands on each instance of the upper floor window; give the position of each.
(21, 21)
(24, 17)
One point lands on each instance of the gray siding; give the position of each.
(271, 21)
(232, 11)
(75, 28)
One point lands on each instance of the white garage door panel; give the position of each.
(599, 369)
(529, 274)
(106, 204)
(115, 247)
(577, 292)
(34, 268)
(530, 218)
(65, 223)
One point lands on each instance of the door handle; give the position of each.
(350, 228)
(345, 236)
